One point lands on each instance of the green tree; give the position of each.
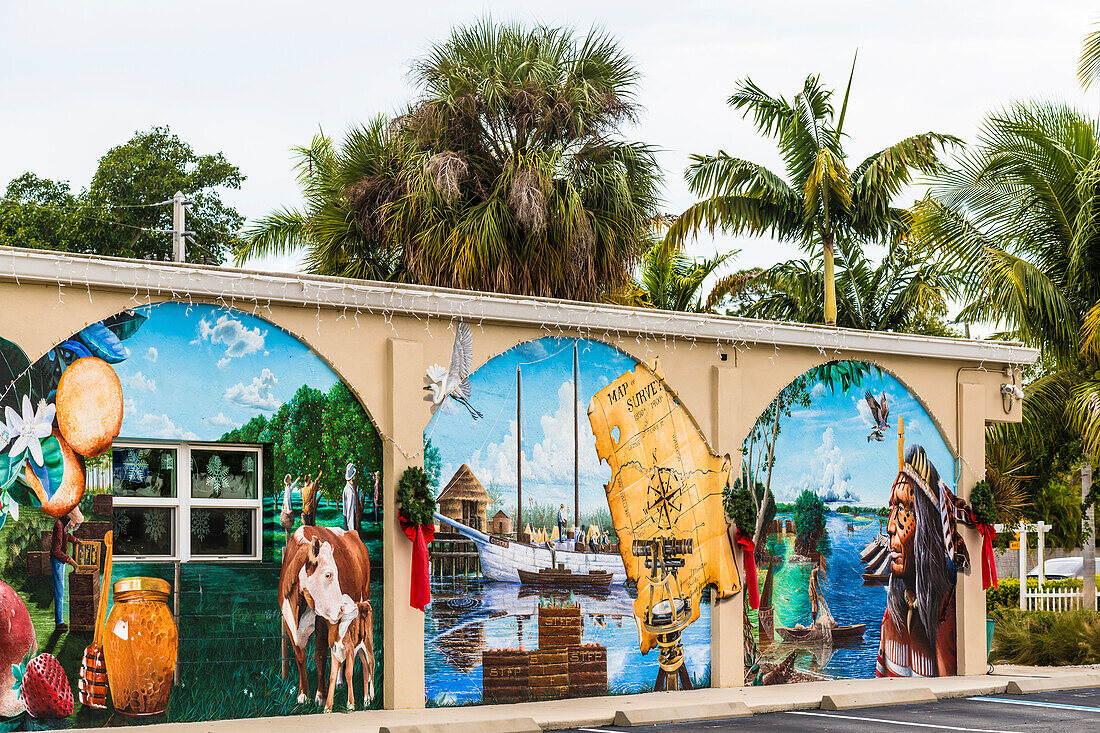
(671, 280)
(433, 466)
(821, 204)
(348, 436)
(1019, 217)
(111, 216)
(508, 173)
(907, 292)
(809, 521)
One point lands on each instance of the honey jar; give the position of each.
(140, 645)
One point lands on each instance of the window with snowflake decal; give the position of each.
(216, 512)
(223, 474)
(143, 471)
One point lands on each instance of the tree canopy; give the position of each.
(822, 203)
(112, 216)
(508, 173)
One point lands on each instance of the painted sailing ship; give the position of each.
(502, 559)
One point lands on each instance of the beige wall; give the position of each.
(384, 362)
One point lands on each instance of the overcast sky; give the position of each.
(254, 79)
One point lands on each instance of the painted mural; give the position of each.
(540, 586)
(857, 544)
(192, 455)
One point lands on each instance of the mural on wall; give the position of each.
(857, 547)
(193, 432)
(530, 592)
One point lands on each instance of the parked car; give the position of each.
(1060, 568)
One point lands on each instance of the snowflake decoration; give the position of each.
(200, 524)
(134, 468)
(234, 524)
(156, 527)
(217, 476)
(167, 462)
(248, 465)
(5, 435)
(121, 521)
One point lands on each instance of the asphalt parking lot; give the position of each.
(1066, 712)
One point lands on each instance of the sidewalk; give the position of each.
(683, 705)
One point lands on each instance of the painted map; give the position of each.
(666, 482)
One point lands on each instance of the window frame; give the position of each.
(182, 503)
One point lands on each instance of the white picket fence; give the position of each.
(1054, 599)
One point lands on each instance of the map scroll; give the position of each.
(666, 482)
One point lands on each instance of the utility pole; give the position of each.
(1088, 543)
(179, 229)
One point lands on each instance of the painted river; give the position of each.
(849, 600)
(468, 616)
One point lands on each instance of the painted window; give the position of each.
(187, 501)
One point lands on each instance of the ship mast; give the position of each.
(519, 453)
(576, 449)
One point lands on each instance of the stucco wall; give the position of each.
(382, 358)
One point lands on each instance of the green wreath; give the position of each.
(415, 497)
(740, 508)
(982, 504)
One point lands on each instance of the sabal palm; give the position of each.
(508, 174)
(1020, 215)
(331, 178)
(905, 292)
(821, 203)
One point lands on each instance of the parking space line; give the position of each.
(1035, 703)
(896, 722)
(598, 730)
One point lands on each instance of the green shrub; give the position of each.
(1046, 638)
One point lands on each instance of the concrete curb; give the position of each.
(633, 717)
(877, 698)
(1050, 684)
(500, 725)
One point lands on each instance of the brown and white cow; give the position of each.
(322, 566)
(351, 638)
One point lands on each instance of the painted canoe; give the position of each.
(840, 632)
(565, 578)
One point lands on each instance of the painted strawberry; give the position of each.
(44, 688)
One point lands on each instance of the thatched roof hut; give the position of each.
(464, 499)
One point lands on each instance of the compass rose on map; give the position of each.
(666, 489)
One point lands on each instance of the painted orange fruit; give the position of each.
(71, 490)
(89, 406)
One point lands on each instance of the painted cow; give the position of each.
(351, 638)
(322, 567)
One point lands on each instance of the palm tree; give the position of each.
(1020, 216)
(669, 279)
(507, 174)
(821, 203)
(906, 292)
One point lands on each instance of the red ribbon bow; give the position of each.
(420, 591)
(749, 549)
(989, 562)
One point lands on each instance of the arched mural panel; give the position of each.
(535, 507)
(861, 530)
(210, 443)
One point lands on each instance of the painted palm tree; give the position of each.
(906, 292)
(821, 203)
(1020, 216)
(508, 173)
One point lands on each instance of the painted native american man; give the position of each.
(926, 552)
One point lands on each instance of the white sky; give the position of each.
(253, 79)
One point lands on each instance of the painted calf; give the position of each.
(321, 566)
(351, 638)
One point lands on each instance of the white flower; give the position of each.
(9, 507)
(31, 429)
